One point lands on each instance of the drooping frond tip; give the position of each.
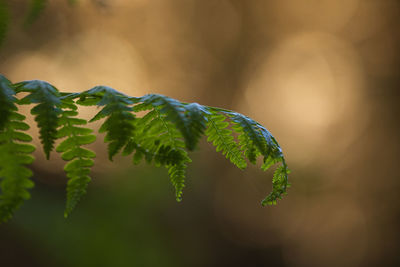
(252, 142)
(156, 128)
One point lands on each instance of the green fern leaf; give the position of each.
(119, 127)
(46, 111)
(15, 156)
(223, 140)
(7, 100)
(162, 135)
(119, 124)
(158, 139)
(248, 127)
(197, 116)
(80, 159)
(256, 141)
(177, 173)
(279, 185)
(175, 112)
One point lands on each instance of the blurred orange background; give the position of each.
(322, 76)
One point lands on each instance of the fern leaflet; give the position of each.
(223, 140)
(119, 123)
(13, 173)
(7, 100)
(158, 139)
(174, 112)
(46, 112)
(80, 159)
(197, 116)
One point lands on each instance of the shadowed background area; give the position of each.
(322, 76)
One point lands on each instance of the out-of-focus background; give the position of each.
(321, 75)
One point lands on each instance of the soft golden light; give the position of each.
(305, 88)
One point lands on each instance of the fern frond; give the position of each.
(222, 138)
(162, 136)
(197, 116)
(256, 141)
(175, 112)
(158, 135)
(80, 159)
(46, 112)
(119, 127)
(247, 145)
(158, 139)
(279, 185)
(177, 173)
(119, 124)
(7, 100)
(249, 128)
(15, 156)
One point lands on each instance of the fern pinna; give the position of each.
(164, 134)
(46, 112)
(14, 153)
(80, 159)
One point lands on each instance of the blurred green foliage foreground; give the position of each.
(164, 135)
(132, 222)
